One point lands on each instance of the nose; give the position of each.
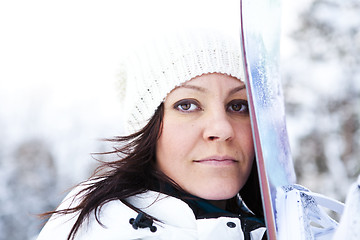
(218, 127)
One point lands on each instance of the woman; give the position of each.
(186, 168)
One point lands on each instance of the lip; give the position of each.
(217, 160)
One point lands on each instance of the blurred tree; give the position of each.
(31, 189)
(322, 84)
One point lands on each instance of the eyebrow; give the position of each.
(237, 89)
(197, 88)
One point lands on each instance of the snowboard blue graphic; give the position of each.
(260, 21)
(291, 211)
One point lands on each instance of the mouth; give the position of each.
(217, 160)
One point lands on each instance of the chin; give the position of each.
(223, 194)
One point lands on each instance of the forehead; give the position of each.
(213, 81)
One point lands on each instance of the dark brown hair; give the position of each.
(136, 173)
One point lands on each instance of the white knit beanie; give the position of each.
(165, 62)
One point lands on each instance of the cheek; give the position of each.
(245, 140)
(250, 144)
(174, 144)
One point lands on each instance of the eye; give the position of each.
(238, 106)
(187, 105)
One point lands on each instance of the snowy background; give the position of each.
(59, 62)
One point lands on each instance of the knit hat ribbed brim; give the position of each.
(166, 62)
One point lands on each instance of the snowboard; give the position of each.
(290, 210)
(260, 39)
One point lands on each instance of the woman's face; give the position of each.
(206, 143)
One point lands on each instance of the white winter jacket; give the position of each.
(177, 221)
